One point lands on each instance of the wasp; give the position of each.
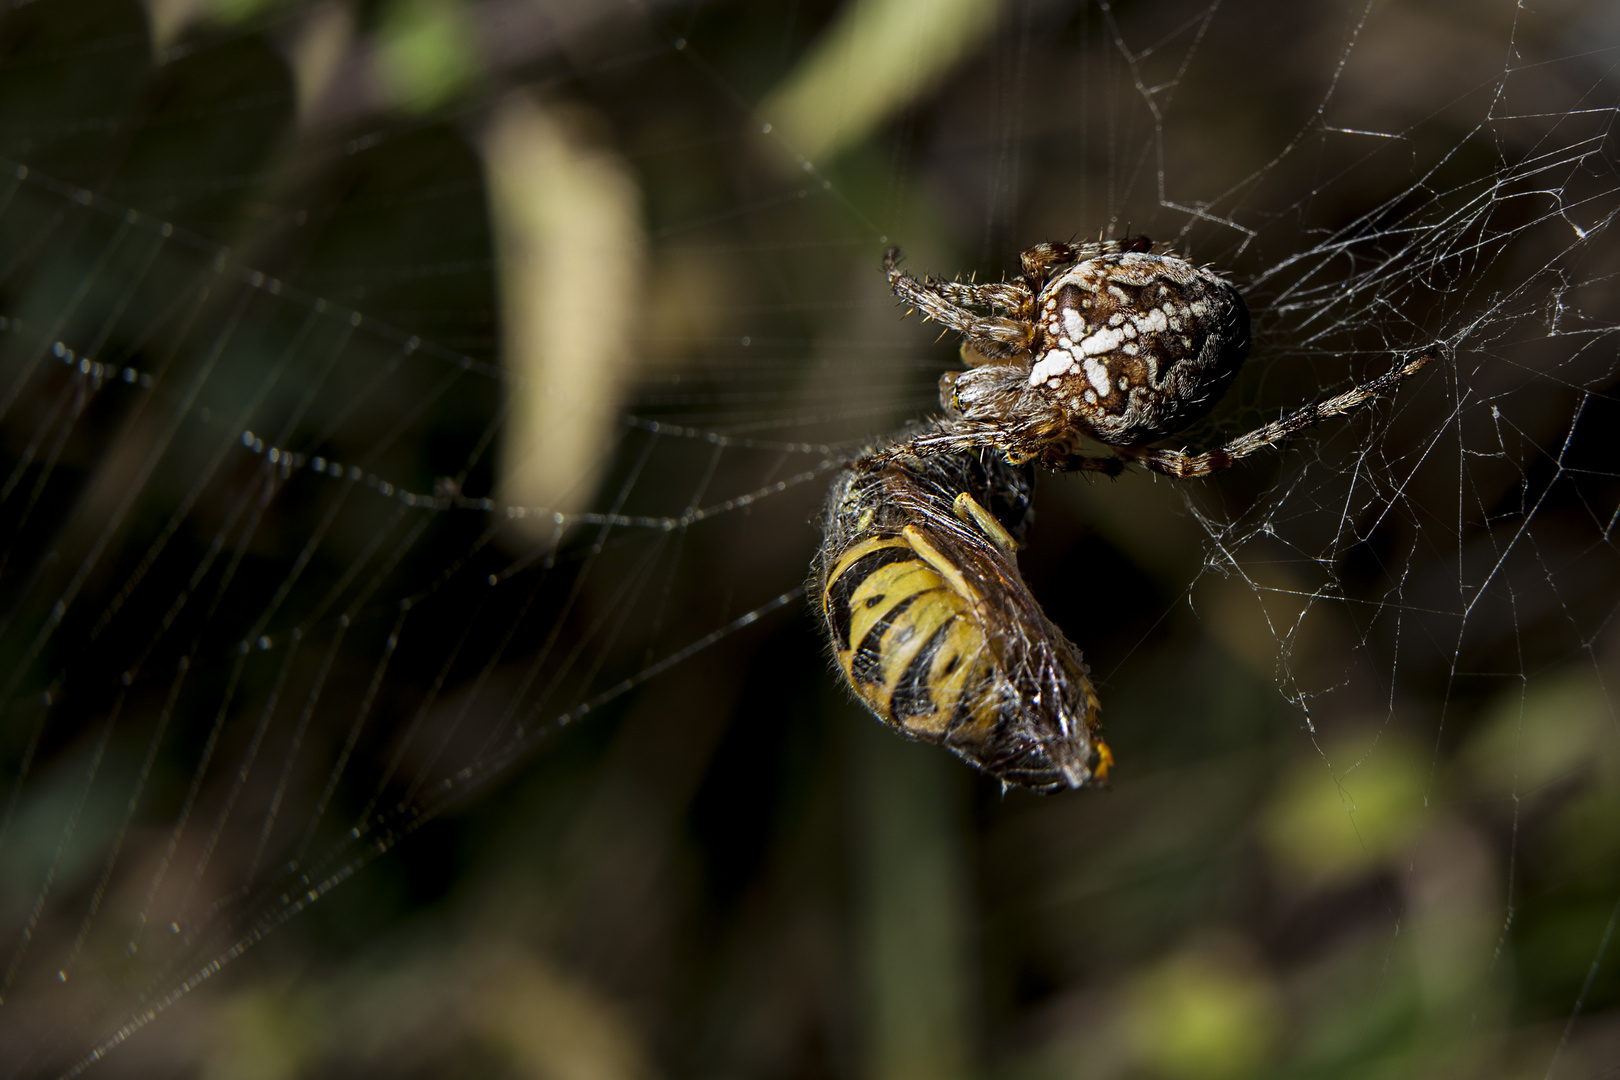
(933, 627)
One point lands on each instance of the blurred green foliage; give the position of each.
(425, 55)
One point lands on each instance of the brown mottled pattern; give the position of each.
(1183, 331)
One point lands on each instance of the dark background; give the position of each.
(1366, 816)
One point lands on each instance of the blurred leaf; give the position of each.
(425, 53)
(553, 1027)
(236, 11)
(1587, 829)
(1204, 1014)
(566, 215)
(1333, 829)
(878, 56)
(1541, 732)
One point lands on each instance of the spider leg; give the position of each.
(1352, 399)
(1108, 466)
(992, 336)
(938, 440)
(1009, 296)
(956, 436)
(1013, 441)
(1040, 260)
(1185, 466)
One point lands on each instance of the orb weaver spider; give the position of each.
(1110, 341)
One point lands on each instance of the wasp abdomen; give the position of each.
(906, 640)
(934, 629)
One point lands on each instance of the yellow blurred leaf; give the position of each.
(569, 250)
(552, 1027)
(263, 1035)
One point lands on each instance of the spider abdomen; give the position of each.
(1134, 346)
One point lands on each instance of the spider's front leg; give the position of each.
(990, 335)
(1019, 442)
(1012, 297)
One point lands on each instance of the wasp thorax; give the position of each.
(1133, 347)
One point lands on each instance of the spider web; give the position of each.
(272, 620)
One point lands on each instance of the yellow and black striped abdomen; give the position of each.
(934, 628)
(909, 639)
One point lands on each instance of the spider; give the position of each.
(1111, 341)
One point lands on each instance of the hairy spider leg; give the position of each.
(1013, 297)
(957, 436)
(1040, 260)
(991, 335)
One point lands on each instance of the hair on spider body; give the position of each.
(933, 628)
